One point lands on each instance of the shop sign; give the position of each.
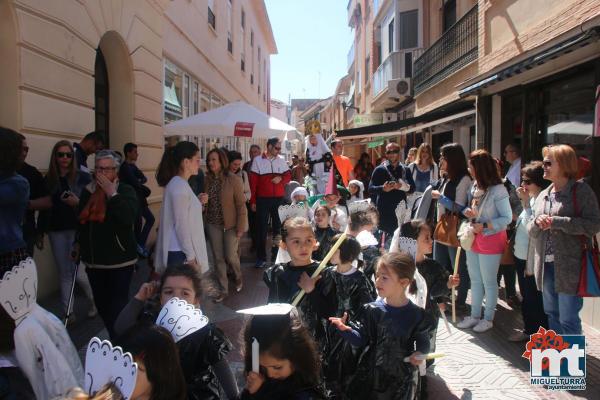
(367, 119)
(243, 129)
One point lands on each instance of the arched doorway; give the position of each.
(9, 67)
(113, 90)
(101, 97)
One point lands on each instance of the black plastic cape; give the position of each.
(324, 236)
(389, 335)
(339, 357)
(197, 353)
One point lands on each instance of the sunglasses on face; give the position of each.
(60, 154)
(547, 164)
(392, 152)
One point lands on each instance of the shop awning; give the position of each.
(540, 58)
(452, 111)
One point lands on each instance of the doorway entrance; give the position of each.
(101, 98)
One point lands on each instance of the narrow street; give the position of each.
(476, 366)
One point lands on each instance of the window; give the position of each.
(172, 92)
(449, 17)
(409, 29)
(211, 14)
(391, 36)
(252, 79)
(195, 92)
(243, 43)
(251, 38)
(229, 27)
(367, 69)
(243, 20)
(186, 95)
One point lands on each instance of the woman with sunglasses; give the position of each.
(563, 214)
(532, 309)
(64, 181)
(424, 170)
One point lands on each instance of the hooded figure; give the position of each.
(319, 160)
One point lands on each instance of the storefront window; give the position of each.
(195, 98)
(172, 93)
(569, 112)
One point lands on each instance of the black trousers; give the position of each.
(508, 272)
(532, 307)
(110, 287)
(265, 207)
(252, 226)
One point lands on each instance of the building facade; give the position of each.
(126, 68)
(485, 74)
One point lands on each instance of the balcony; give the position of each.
(455, 49)
(351, 58)
(354, 13)
(398, 64)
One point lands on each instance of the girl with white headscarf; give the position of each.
(318, 155)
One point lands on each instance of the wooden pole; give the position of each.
(456, 262)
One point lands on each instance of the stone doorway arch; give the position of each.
(119, 76)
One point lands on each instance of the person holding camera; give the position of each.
(390, 183)
(108, 209)
(64, 181)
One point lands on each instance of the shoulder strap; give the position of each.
(574, 194)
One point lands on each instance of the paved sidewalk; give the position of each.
(476, 366)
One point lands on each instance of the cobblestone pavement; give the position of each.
(476, 366)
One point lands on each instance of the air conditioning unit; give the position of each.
(398, 88)
(390, 117)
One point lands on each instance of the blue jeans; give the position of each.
(483, 269)
(141, 229)
(562, 309)
(176, 258)
(446, 255)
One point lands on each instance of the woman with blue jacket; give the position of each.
(490, 213)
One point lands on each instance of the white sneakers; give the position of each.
(467, 323)
(478, 325)
(483, 326)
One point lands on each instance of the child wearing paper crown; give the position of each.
(439, 281)
(202, 353)
(353, 290)
(285, 281)
(323, 232)
(387, 331)
(289, 367)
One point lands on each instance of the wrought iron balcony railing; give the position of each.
(456, 48)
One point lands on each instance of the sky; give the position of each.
(313, 39)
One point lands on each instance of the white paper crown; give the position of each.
(407, 245)
(359, 205)
(18, 289)
(181, 318)
(107, 364)
(291, 211)
(366, 238)
(402, 213)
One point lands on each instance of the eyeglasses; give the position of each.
(60, 154)
(392, 152)
(105, 169)
(547, 164)
(525, 181)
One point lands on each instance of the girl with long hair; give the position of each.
(181, 231)
(226, 219)
(424, 170)
(490, 213)
(65, 183)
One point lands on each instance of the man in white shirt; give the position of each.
(512, 153)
